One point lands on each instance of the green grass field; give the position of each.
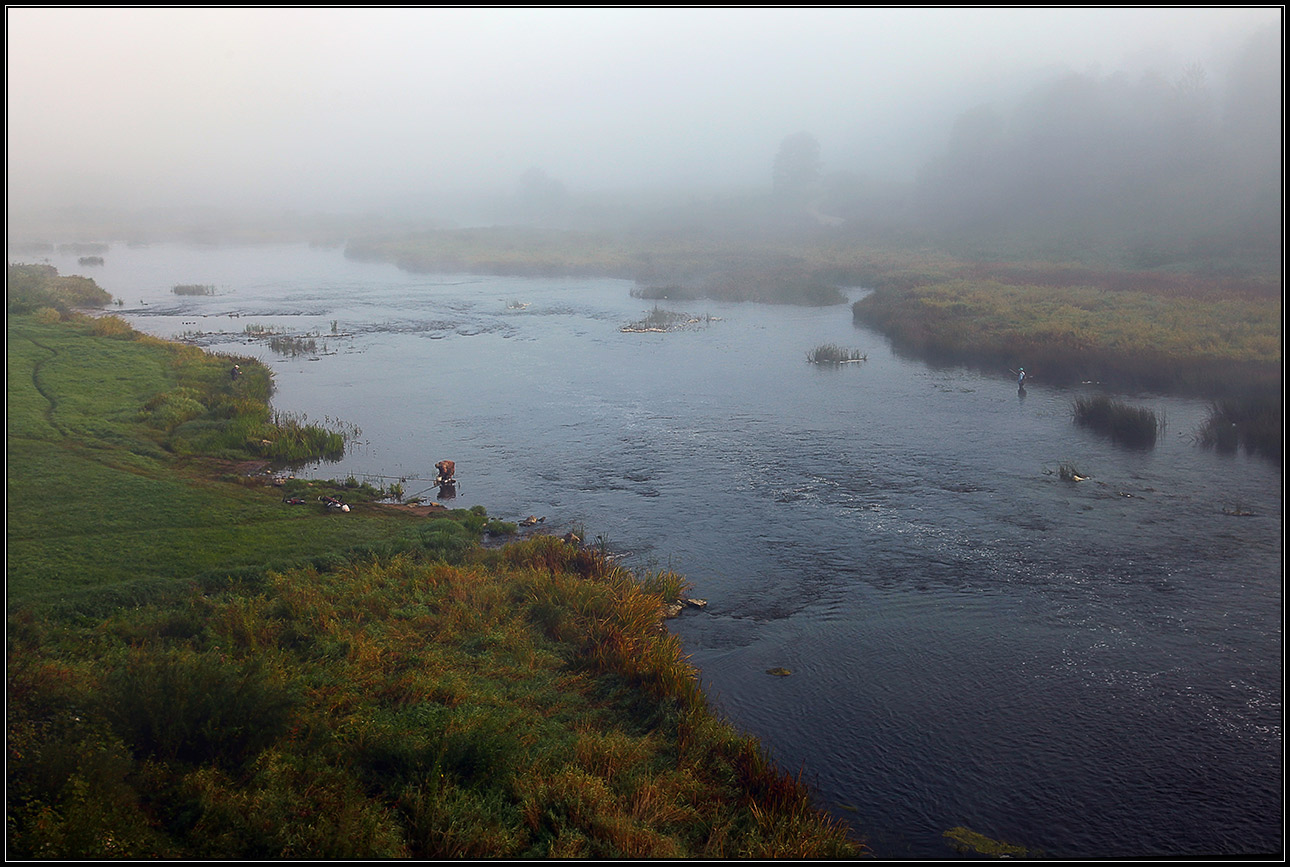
(96, 499)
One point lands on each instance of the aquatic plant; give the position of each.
(193, 289)
(1125, 424)
(284, 344)
(659, 319)
(831, 353)
(1255, 423)
(1068, 472)
(966, 841)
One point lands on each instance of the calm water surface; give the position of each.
(1090, 669)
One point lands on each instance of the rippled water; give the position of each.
(1090, 669)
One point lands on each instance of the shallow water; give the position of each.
(1091, 670)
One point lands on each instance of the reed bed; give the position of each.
(1255, 424)
(832, 353)
(1128, 425)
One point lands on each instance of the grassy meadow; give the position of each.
(198, 669)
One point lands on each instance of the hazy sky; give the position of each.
(356, 108)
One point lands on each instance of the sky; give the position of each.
(360, 109)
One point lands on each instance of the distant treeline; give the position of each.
(1153, 171)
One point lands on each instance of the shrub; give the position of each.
(111, 326)
(180, 705)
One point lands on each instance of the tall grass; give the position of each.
(1256, 424)
(831, 353)
(1125, 424)
(521, 703)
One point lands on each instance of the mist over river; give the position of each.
(1089, 669)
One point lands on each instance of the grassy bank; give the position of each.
(1065, 334)
(197, 669)
(675, 268)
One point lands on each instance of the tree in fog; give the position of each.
(797, 166)
(1161, 168)
(541, 197)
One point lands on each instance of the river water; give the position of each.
(1087, 669)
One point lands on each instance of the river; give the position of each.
(1087, 669)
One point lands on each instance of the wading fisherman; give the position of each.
(445, 470)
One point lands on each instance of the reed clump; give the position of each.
(1125, 424)
(1253, 423)
(661, 320)
(1068, 472)
(193, 289)
(832, 353)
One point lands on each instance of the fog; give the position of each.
(403, 109)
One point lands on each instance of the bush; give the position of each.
(180, 705)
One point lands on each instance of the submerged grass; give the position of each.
(197, 670)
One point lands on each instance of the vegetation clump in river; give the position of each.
(659, 320)
(831, 353)
(198, 669)
(1126, 424)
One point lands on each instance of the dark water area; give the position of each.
(1089, 669)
